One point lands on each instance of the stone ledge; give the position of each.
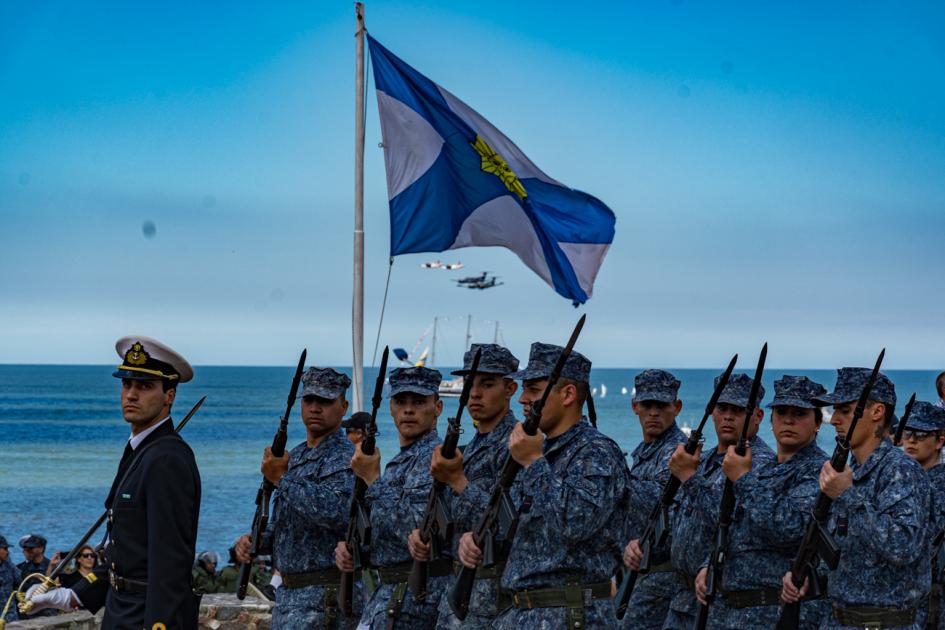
(218, 611)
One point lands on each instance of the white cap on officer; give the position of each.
(147, 358)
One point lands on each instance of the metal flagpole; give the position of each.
(357, 301)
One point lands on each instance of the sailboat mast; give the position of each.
(468, 336)
(433, 350)
(495, 335)
(357, 301)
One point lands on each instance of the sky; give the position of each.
(184, 172)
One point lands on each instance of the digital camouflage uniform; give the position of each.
(881, 523)
(696, 517)
(653, 591)
(398, 500)
(309, 516)
(928, 417)
(483, 459)
(572, 519)
(9, 580)
(772, 511)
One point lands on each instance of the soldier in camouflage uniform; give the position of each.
(473, 472)
(398, 500)
(880, 518)
(696, 516)
(573, 515)
(773, 507)
(9, 579)
(923, 439)
(206, 579)
(314, 483)
(657, 404)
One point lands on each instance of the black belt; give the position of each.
(662, 567)
(758, 597)
(874, 617)
(556, 596)
(483, 573)
(397, 573)
(126, 585)
(319, 577)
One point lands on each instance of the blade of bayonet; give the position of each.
(468, 383)
(294, 390)
(723, 381)
(563, 357)
(753, 392)
(190, 414)
(902, 423)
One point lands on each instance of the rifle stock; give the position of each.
(499, 501)
(816, 538)
(657, 529)
(264, 494)
(359, 513)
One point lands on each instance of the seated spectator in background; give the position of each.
(226, 581)
(9, 579)
(355, 425)
(228, 578)
(85, 561)
(34, 550)
(205, 572)
(940, 389)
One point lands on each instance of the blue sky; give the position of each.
(776, 172)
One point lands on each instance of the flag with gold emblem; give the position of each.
(454, 180)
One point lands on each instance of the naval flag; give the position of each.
(454, 180)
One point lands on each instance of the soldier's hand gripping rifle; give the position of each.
(49, 581)
(657, 528)
(500, 515)
(817, 544)
(727, 505)
(436, 527)
(266, 488)
(359, 513)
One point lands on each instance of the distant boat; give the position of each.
(603, 391)
(623, 391)
(685, 428)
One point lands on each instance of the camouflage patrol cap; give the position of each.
(850, 384)
(494, 360)
(796, 391)
(324, 383)
(541, 363)
(419, 380)
(657, 385)
(3, 543)
(31, 541)
(738, 389)
(926, 417)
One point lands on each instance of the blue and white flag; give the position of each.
(454, 181)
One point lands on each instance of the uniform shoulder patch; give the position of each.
(91, 577)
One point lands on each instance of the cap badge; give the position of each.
(136, 355)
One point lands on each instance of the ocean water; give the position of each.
(62, 434)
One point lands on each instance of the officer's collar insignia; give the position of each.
(136, 355)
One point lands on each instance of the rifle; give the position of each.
(436, 527)
(897, 439)
(657, 529)
(49, 580)
(266, 488)
(359, 513)
(817, 544)
(591, 411)
(727, 505)
(500, 515)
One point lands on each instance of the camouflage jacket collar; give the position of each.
(809, 453)
(560, 443)
(673, 434)
(496, 438)
(407, 452)
(304, 453)
(873, 461)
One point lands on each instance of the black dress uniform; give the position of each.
(153, 508)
